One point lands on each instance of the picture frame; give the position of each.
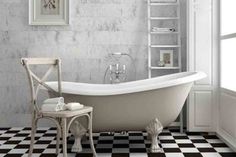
(167, 57)
(48, 12)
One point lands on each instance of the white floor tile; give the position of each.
(17, 128)
(18, 151)
(7, 135)
(43, 128)
(202, 145)
(214, 141)
(174, 155)
(40, 146)
(223, 149)
(25, 132)
(189, 150)
(50, 151)
(138, 155)
(169, 145)
(211, 155)
(183, 141)
(34, 155)
(51, 131)
(2, 141)
(46, 138)
(17, 139)
(103, 154)
(178, 134)
(25, 142)
(2, 131)
(196, 137)
(7, 146)
(166, 138)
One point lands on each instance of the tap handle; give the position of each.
(124, 68)
(117, 67)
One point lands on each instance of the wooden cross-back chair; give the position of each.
(62, 119)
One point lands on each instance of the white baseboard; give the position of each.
(227, 138)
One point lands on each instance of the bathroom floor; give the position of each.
(14, 142)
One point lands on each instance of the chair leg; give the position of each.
(33, 130)
(64, 137)
(58, 141)
(91, 135)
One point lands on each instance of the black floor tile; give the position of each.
(132, 142)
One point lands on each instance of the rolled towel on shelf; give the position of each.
(157, 29)
(73, 106)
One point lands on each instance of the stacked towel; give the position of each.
(57, 104)
(157, 29)
(53, 104)
(73, 106)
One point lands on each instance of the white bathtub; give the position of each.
(132, 105)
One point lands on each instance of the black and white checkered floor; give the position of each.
(14, 142)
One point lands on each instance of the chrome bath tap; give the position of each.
(117, 73)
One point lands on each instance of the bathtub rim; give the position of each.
(127, 87)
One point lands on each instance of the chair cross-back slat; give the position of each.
(55, 63)
(52, 67)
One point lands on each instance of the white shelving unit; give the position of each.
(151, 47)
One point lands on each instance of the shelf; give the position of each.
(164, 32)
(164, 68)
(156, 30)
(159, 3)
(164, 46)
(164, 18)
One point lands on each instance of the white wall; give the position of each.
(98, 27)
(227, 117)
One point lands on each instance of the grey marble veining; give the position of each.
(98, 28)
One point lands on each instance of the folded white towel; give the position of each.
(74, 106)
(54, 100)
(53, 104)
(157, 29)
(52, 107)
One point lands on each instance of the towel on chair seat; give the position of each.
(74, 106)
(53, 104)
(58, 100)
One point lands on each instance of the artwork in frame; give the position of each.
(166, 56)
(48, 12)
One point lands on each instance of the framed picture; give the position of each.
(48, 12)
(167, 57)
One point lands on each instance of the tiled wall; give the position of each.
(98, 27)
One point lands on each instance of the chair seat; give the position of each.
(68, 113)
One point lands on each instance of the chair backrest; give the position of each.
(36, 82)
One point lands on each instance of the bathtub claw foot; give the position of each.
(154, 128)
(78, 131)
